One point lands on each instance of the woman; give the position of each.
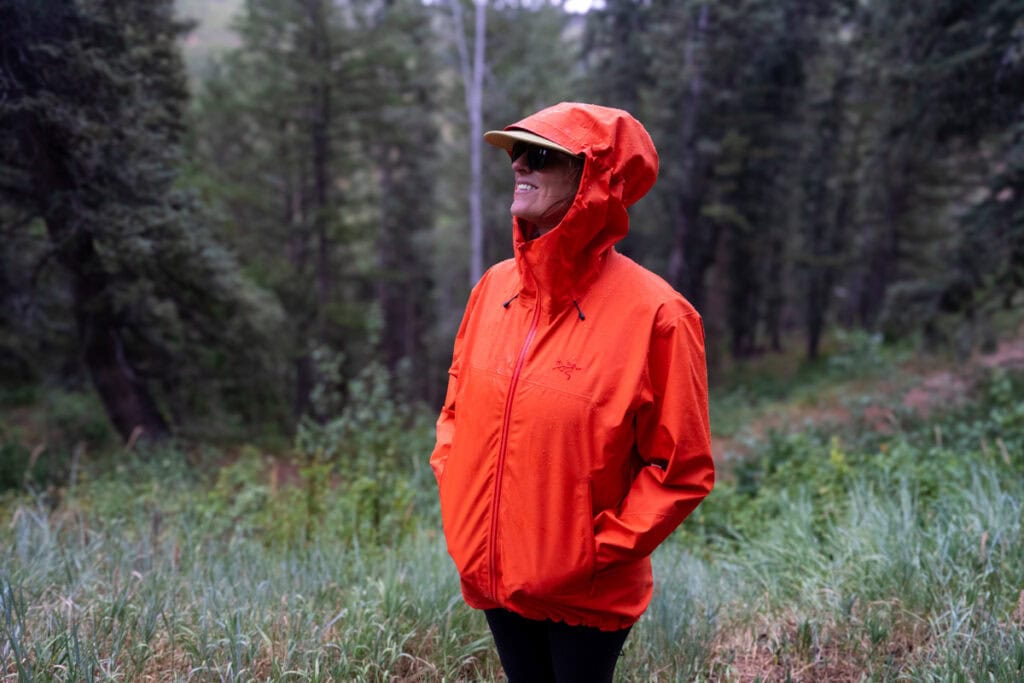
(574, 436)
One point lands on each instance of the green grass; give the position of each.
(834, 554)
(86, 600)
(750, 389)
(886, 589)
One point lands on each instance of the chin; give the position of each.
(524, 216)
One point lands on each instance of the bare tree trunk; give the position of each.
(397, 335)
(883, 247)
(294, 217)
(688, 260)
(314, 202)
(320, 142)
(473, 83)
(827, 212)
(776, 299)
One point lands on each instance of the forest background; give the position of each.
(205, 249)
(240, 227)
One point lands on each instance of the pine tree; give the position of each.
(316, 136)
(90, 142)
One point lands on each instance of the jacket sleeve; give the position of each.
(446, 420)
(445, 427)
(673, 439)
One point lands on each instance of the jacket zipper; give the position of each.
(504, 447)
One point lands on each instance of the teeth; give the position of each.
(523, 187)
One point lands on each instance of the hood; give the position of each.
(620, 166)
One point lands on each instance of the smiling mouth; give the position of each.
(525, 187)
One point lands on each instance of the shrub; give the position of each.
(375, 449)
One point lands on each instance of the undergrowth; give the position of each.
(838, 554)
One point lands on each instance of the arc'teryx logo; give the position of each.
(567, 368)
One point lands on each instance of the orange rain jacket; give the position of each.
(574, 436)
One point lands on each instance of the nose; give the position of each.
(520, 164)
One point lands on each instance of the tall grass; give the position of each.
(82, 602)
(841, 557)
(889, 589)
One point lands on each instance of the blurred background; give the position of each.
(216, 213)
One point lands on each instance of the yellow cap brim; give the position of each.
(506, 138)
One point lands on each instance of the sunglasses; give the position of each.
(536, 157)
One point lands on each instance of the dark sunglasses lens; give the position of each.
(518, 149)
(536, 157)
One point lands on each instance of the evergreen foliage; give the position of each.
(92, 121)
(823, 165)
(816, 157)
(314, 135)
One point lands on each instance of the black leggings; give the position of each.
(550, 651)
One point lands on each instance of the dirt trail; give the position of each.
(929, 388)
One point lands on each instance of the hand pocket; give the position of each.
(555, 556)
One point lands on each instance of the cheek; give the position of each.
(571, 181)
(568, 188)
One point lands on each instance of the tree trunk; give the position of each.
(827, 214)
(473, 83)
(395, 295)
(128, 402)
(320, 147)
(691, 256)
(775, 300)
(884, 248)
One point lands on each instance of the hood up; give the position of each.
(620, 167)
